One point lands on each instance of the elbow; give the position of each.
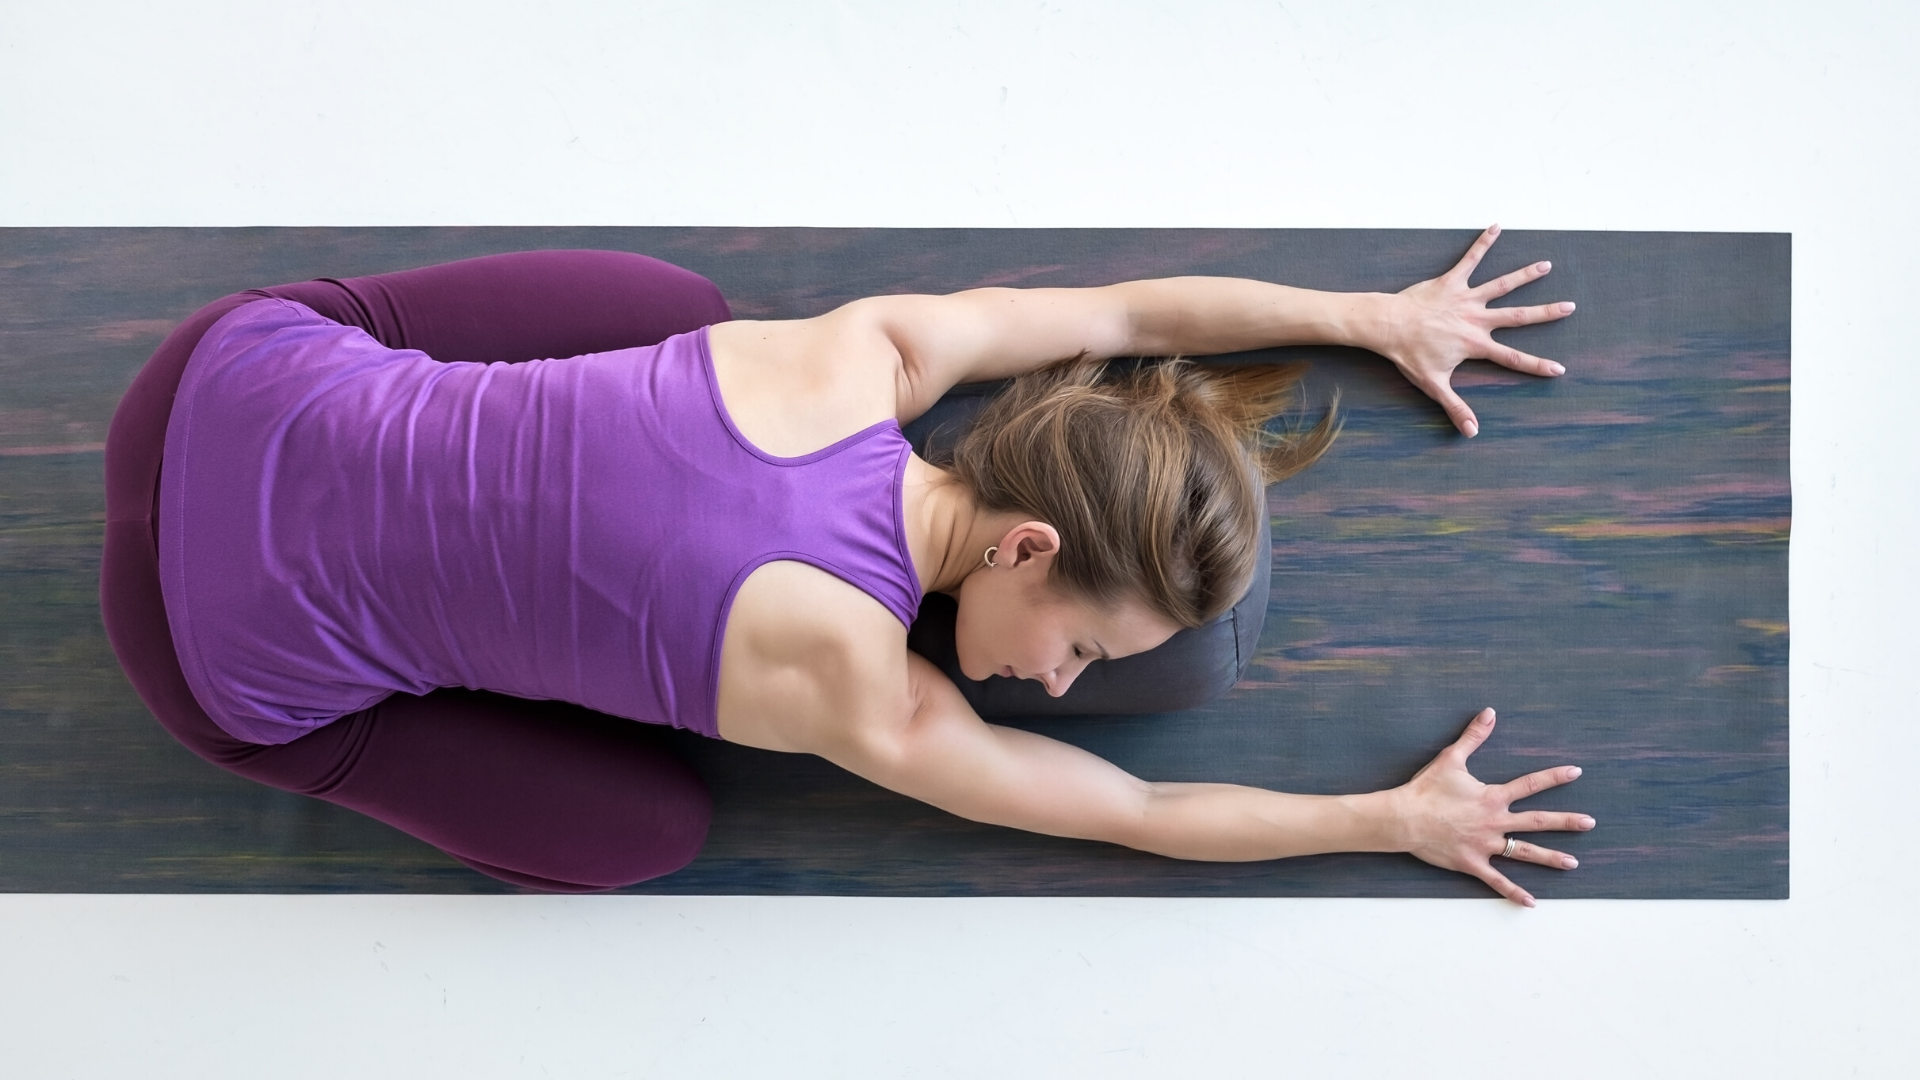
(1131, 329)
(1136, 820)
(1174, 821)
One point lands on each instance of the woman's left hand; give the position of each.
(1446, 817)
(1430, 328)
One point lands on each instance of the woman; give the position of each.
(719, 525)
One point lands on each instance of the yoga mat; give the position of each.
(1606, 564)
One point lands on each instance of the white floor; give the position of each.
(1789, 117)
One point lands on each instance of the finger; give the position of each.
(1547, 821)
(1456, 409)
(1509, 357)
(1506, 283)
(1477, 731)
(1536, 782)
(1534, 853)
(1499, 883)
(1527, 316)
(1463, 269)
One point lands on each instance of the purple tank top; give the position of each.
(341, 521)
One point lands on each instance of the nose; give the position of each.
(1059, 679)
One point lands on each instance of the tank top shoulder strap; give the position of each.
(841, 505)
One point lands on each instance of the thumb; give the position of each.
(1476, 733)
(1456, 409)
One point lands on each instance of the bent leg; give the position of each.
(538, 793)
(526, 305)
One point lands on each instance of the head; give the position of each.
(1137, 490)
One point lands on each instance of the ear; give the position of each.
(1028, 542)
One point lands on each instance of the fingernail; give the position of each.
(1526, 901)
(1586, 823)
(1471, 429)
(1543, 267)
(1566, 307)
(1569, 862)
(1557, 369)
(1573, 773)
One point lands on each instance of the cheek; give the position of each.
(989, 636)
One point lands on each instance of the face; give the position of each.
(1014, 624)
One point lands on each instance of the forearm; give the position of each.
(1229, 823)
(1205, 315)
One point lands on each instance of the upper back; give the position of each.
(803, 651)
(794, 387)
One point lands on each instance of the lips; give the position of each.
(1007, 673)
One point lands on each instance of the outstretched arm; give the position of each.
(1427, 330)
(945, 755)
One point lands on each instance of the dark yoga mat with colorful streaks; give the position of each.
(1606, 564)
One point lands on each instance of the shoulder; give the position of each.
(810, 662)
(795, 386)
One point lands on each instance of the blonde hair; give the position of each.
(1153, 474)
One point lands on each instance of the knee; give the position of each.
(675, 297)
(650, 846)
(652, 273)
(653, 834)
(668, 838)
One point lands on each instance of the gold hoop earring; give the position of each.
(988, 558)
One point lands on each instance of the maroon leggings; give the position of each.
(537, 793)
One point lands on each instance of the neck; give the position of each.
(947, 533)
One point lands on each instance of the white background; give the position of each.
(1690, 116)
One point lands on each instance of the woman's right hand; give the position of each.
(1446, 817)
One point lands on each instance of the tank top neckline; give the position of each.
(726, 418)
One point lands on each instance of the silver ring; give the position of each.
(1507, 853)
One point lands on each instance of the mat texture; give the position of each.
(1606, 563)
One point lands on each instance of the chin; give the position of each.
(969, 666)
